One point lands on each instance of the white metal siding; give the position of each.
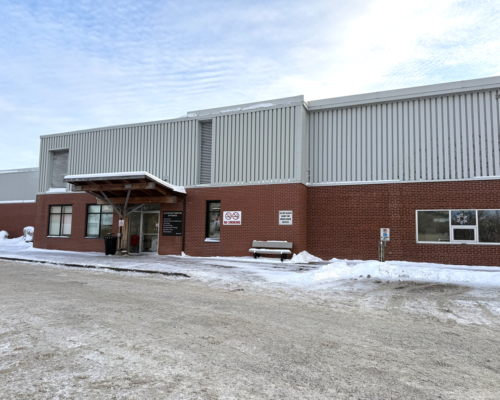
(432, 139)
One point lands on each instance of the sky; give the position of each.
(70, 65)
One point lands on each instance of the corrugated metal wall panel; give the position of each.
(18, 185)
(254, 147)
(164, 149)
(430, 139)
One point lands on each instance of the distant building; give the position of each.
(422, 161)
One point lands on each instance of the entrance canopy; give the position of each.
(122, 189)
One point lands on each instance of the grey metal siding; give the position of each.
(166, 150)
(257, 147)
(206, 153)
(18, 185)
(449, 137)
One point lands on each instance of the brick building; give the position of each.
(422, 161)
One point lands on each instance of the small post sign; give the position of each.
(385, 234)
(121, 222)
(172, 223)
(286, 217)
(231, 218)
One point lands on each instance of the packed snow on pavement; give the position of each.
(464, 294)
(302, 269)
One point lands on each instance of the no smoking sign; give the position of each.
(231, 218)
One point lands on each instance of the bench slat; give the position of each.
(272, 245)
(270, 251)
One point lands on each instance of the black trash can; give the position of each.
(110, 244)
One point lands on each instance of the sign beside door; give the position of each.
(172, 223)
(231, 218)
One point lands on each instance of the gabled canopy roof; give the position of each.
(126, 187)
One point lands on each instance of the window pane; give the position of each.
(67, 209)
(463, 217)
(54, 224)
(94, 209)
(107, 209)
(489, 226)
(93, 224)
(213, 220)
(106, 225)
(55, 209)
(433, 226)
(151, 207)
(463, 234)
(66, 226)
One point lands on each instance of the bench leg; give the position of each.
(283, 257)
(256, 255)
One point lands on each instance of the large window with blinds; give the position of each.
(206, 153)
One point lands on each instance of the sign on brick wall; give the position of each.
(231, 217)
(286, 218)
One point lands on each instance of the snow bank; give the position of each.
(4, 235)
(304, 257)
(389, 272)
(28, 233)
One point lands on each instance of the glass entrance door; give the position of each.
(144, 228)
(150, 223)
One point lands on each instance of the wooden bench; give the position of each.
(271, 247)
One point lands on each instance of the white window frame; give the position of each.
(452, 227)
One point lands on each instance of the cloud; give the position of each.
(86, 63)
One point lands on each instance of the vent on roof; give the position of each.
(59, 168)
(206, 153)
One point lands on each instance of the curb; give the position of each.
(145, 271)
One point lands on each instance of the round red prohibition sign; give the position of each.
(234, 215)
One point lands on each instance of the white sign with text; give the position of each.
(286, 218)
(231, 218)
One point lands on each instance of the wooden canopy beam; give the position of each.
(140, 200)
(115, 186)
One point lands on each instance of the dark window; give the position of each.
(489, 226)
(99, 220)
(213, 220)
(433, 226)
(60, 220)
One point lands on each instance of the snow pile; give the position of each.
(258, 106)
(338, 270)
(4, 235)
(13, 245)
(304, 258)
(28, 233)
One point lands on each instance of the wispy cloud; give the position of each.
(87, 63)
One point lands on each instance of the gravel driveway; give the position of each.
(73, 333)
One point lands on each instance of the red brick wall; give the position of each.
(344, 221)
(259, 206)
(15, 216)
(77, 241)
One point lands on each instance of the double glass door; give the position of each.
(144, 227)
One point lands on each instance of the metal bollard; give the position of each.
(381, 251)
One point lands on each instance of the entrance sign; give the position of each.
(172, 223)
(385, 234)
(231, 218)
(286, 217)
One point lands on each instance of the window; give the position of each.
(213, 221)
(458, 226)
(99, 220)
(60, 220)
(59, 168)
(206, 153)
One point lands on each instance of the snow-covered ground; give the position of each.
(303, 270)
